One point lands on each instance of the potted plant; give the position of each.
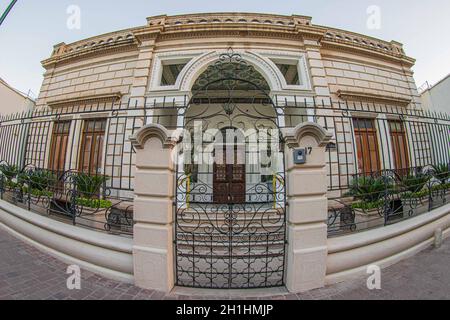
(36, 186)
(442, 173)
(414, 192)
(89, 198)
(9, 183)
(369, 193)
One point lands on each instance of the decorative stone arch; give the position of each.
(153, 131)
(316, 134)
(197, 66)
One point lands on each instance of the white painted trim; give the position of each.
(157, 68)
(296, 57)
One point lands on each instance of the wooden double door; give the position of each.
(229, 185)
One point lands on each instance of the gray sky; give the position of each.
(33, 27)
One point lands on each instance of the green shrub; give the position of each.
(94, 203)
(414, 183)
(38, 193)
(441, 172)
(444, 186)
(38, 180)
(367, 206)
(89, 186)
(416, 195)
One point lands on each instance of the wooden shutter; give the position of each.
(91, 155)
(367, 145)
(399, 145)
(59, 144)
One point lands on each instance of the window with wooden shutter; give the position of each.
(399, 145)
(59, 145)
(367, 145)
(91, 154)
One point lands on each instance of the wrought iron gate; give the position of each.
(230, 217)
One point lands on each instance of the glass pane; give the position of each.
(290, 73)
(170, 74)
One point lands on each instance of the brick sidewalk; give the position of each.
(27, 273)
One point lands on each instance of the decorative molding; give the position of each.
(157, 66)
(372, 97)
(368, 52)
(303, 69)
(100, 97)
(228, 24)
(293, 136)
(153, 131)
(259, 63)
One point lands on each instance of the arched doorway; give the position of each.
(230, 199)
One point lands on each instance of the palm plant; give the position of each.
(9, 171)
(89, 186)
(442, 172)
(40, 180)
(414, 183)
(369, 189)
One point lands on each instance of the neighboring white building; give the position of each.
(437, 97)
(12, 100)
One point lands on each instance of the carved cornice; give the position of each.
(75, 56)
(371, 97)
(239, 25)
(99, 97)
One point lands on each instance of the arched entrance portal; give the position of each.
(230, 200)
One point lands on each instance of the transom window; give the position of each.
(170, 73)
(290, 73)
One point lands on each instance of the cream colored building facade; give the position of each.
(126, 66)
(343, 105)
(333, 62)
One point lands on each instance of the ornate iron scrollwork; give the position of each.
(231, 238)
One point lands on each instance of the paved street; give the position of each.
(27, 273)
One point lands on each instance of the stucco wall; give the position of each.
(13, 102)
(105, 74)
(437, 98)
(353, 72)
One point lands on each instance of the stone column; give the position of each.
(153, 251)
(307, 208)
(146, 38)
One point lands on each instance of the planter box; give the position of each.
(415, 206)
(11, 197)
(368, 219)
(38, 205)
(90, 217)
(120, 221)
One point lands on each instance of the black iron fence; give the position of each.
(374, 146)
(387, 197)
